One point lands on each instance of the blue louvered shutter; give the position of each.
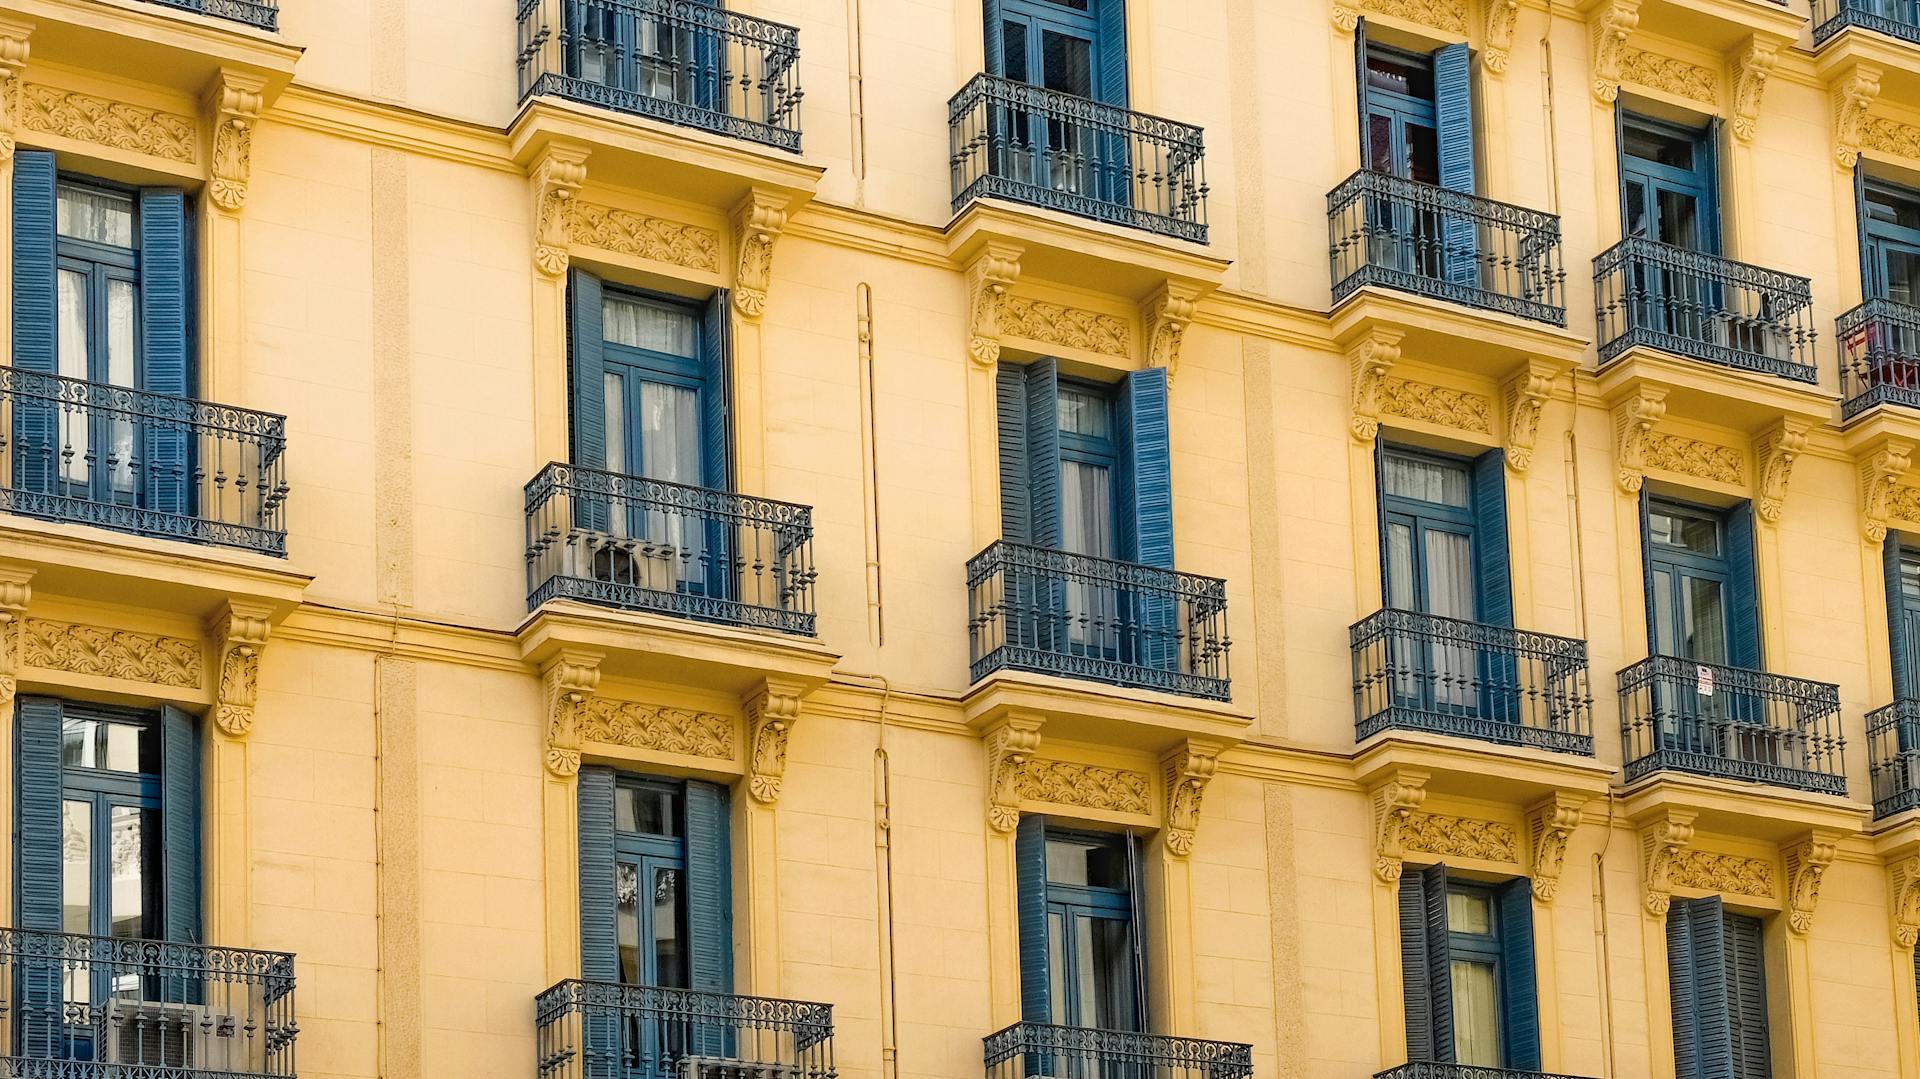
(1147, 511)
(1110, 48)
(995, 47)
(1418, 996)
(180, 824)
(38, 859)
(587, 381)
(166, 343)
(1016, 484)
(1682, 987)
(1646, 571)
(35, 443)
(1043, 452)
(1747, 998)
(1493, 583)
(1869, 271)
(1520, 1005)
(709, 907)
(1453, 119)
(1361, 93)
(1030, 886)
(716, 393)
(1743, 590)
(1710, 176)
(1439, 962)
(1697, 972)
(599, 948)
(1899, 641)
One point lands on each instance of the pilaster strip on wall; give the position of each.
(393, 382)
(397, 847)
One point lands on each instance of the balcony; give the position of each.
(78, 1007)
(1059, 152)
(150, 464)
(591, 1030)
(1445, 245)
(681, 62)
(1417, 672)
(264, 14)
(1731, 723)
(1879, 357)
(1051, 612)
(1703, 307)
(647, 545)
(1428, 1070)
(1031, 1049)
(1893, 757)
(1898, 19)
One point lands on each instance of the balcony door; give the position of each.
(1889, 270)
(1082, 957)
(1089, 516)
(652, 49)
(1416, 123)
(1702, 607)
(1072, 47)
(1669, 194)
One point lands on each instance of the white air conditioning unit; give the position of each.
(143, 1033)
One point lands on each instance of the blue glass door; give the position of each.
(1429, 561)
(97, 338)
(1097, 615)
(1402, 138)
(1668, 194)
(1054, 44)
(1890, 230)
(1094, 953)
(650, 916)
(1690, 591)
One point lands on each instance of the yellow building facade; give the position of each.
(1167, 539)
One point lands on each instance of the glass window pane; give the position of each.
(1450, 578)
(1679, 219)
(1706, 620)
(1087, 862)
(1636, 208)
(86, 213)
(78, 744)
(1066, 63)
(1057, 960)
(1107, 974)
(1424, 479)
(126, 746)
(1086, 509)
(1470, 912)
(656, 327)
(1902, 275)
(1400, 591)
(1083, 412)
(1013, 48)
(669, 433)
(669, 957)
(73, 324)
(122, 317)
(1694, 532)
(134, 873)
(1893, 206)
(1665, 637)
(647, 810)
(626, 921)
(1380, 142)
(1423, 154)
(1476, 1014)
(1659, 148)
(614, 404)
(1398, 74)
(76, 867)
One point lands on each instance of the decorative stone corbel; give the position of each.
(557, 177)
(1807, 863)
(758, 223)
(1187, 772)
(1634, 420)
(992, 272)
(772, 710)
(16, 591)
(1775, 451)
(1853, 97)
(1750, 72)
(14, 50)
(1610, 28)
(1011, 743)
(1498, 42)
(1346, 16)
(1903, 876)
(1550, 824)
(1661, 841)
(234, 101)
(571, 678)
(1368, 362)
(1394, 803)
(1527, 396)
(1880, 472)
(242, 629)
(1167, 315)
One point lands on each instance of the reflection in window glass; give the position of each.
(76, 867)
(626, 921)
(1086, 862)
(669, 956)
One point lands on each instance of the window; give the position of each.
(1890, 239)
(1081, 957)
(1716, 968)
(1702, 603)
(655, 882)
(1902, 567)
(1416, 123)
(1076, 47)
(1467, 967)
(108, 821)
(1668, 186)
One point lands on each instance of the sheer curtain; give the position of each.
(73, 346)
(1450, 589)
(670, 451)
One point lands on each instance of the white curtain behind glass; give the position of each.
(670, 451)
(1450, 595)
(1476, 1015)
(73, 342)
(655, 327)
(1086, 527)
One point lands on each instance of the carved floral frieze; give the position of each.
(1439, 14)
(1086, 786)
(643, 236)
(1692, 457)
(1462, 837)
(104, 122)
(1713, 871)
(1441, 405)
(684, 731)
(104, 652)
(1069, 327)
(1670, 75)
(1890, 136)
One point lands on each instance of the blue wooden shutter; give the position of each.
(1710, 177)
(1361, 92)
(1439, 962)
(1869, 273)
(37, 846)
(1137, 923)
(1030, 886)
(1043, 452)
(1646, 570)
(1698, 976)
(36, 453)
(1110, 52)
(587, 368)
(716, 396)
(1380, 514)
(1148, 468)
(599, 948)
(1413, 966)
(166, 343)
(1899, 646)
(1747, 998)
(1453, 117)
(180, 824)
(709, 888)
(995, 48)
(1743, 587)
(1684, 991)
(1492, 569)
(1520, 1006)
(1016, 485)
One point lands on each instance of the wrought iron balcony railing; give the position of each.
(1679, 715)
(1414, 671)
(1029, 1050)
(683, 62)
(264, 14)
(1052, 612)
(1056, 151)
(1428, 1070)
(79, 1007)
(1893, 756)
(147, 463)
(1430, 241)
(1703, 307)
(648, 545)
(1894, 18)
(1879, 356)
(604, 1030)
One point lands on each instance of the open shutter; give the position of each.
(166, 348)
(1743, 587)
(1148, 468)
(180, 824)
(1043, 451)
(599, 950)
(1519, 993)
(37, 852)
(1137, 924)
(1869, 287)
(1016, 490)
(716, 397)
(587, 368)
(1413, 966)
(1492, 567)
(1360, 93)
(1110, 44)
(1380, 515)
(1646, 571)
(709, 908)
(1899, 646)
(995, 48)
(1710, 174)
(1747, 998)
(1439, 962)
(1030, 884)
(1684, 991)
(1453, 117)
(36, 454)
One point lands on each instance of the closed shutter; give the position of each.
(1453, 117)
(716, 397)
(1492, 564)
(1743, 587)
(1747, 998)
(1681, 986)
(180, 825)
(1030, 884)
(1697, 975)
(1439, 962)
(599, 946)
(1426, 965)
(1043, 452)
(1016, 493)
(1519, 993)
(1899, 645)
(709, 908)
(36, 453)
(37, 868)
(166, 342)
(1110, 37)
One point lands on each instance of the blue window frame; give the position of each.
(1093, 956)
(1890, 232)
(1689, 582)
(1400, 122)
(650, 865)
(1468, 970)
(1668, 185)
